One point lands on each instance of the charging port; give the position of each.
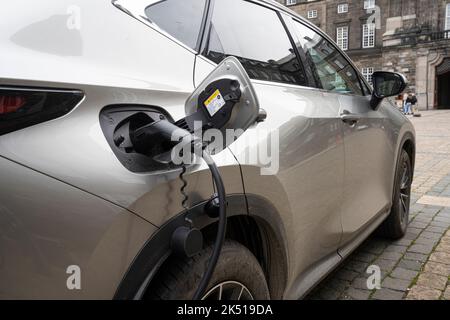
(119, 120)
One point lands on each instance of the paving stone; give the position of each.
(436, 229)
(440, 224)
(396, 248)
(431, 210)
(364, 257)
(431, 280)
(418, 225)
(402, 273)
(385, 264)
(403, 242)
(421, 248)
(422, 219)
(423, 293)
(437, 268)
(357, 294)
(374, 248)
(446, 295)
(395, 256)
(410, 236)
(443, 246)
(387, 294)
(441, 219)
(410, 264)
(345, 274)
(441, 257)
(415, 256)
(430, 235)
(337, 284)
(395, 284)
(426, 241)
(428, 215)
(357, 266)
(417, 207)
(414, 231)
(360, 283)
(443, 214)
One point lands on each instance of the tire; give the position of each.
(236, 266)
(394, 227)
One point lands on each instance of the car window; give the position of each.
(330, 68)
(256, 36)
(180, 18)
(366, 89)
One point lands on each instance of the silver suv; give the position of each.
(84, 214)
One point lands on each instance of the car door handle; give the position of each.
(349, 117)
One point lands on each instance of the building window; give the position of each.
(342, 37)
(312, 14)
(343, 8)
(291, 2)
(369, 4)
(367, 73)
(447, 17)
(368, 35)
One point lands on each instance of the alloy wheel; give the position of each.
(405, 193)
(228, 290)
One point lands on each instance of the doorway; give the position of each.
(443, 84)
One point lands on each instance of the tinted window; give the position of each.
(255, 35)
(331, 70)
(181, 19)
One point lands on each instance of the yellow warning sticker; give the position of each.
(214, 103)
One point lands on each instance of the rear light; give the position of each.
(24, 107)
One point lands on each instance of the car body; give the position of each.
(67, 198)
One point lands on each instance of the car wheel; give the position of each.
(397, 222)
(238, 276)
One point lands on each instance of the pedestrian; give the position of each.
(410, 101)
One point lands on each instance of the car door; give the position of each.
(368, 155)
(302, 173)
(369, 159)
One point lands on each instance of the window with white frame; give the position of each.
(291, 2)
(367, 73)
(343, 8)
(312, 14)
(369, 4)
(447, 17)
(368, 40)
(342, 37)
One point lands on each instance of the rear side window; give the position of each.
(182, 19)
(255, 35)
(331, 69)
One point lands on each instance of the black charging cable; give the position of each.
(163, 130)
(222, 226)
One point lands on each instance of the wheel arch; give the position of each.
(260, 232)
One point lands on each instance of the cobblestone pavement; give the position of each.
(417, 266)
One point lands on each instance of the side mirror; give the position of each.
(386, 84)
(225, 100)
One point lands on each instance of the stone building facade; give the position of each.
(407, 36)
